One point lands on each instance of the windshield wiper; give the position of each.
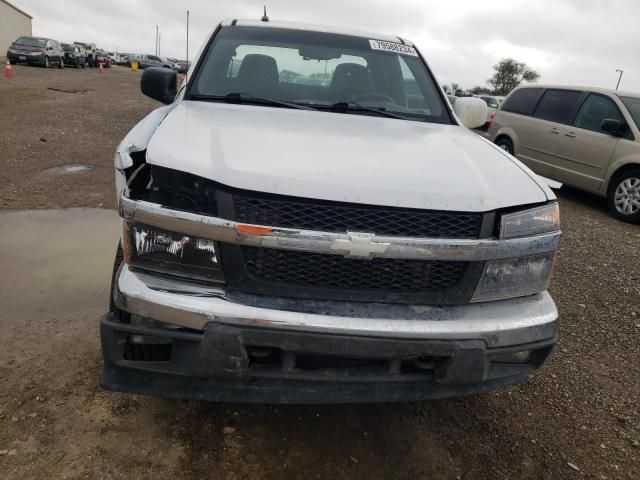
(351, 106)
(239, 97)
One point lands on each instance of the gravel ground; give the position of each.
(578, 417)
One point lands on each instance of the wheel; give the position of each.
(46, 62)
(624, 196)
(505, 144)
(61, 62)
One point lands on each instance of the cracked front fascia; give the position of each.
(135, 141)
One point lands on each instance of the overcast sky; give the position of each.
(568, 41)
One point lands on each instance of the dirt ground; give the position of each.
(578, 417)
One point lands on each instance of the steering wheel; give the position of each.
(366, 97)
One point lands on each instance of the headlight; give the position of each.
(514, 277)
(530, 222)
(11, 50)
(151, 248)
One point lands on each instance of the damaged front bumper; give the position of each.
(178, 340)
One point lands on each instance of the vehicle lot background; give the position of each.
(579, 417)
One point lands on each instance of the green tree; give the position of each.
(510, 73)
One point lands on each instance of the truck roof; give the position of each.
(314, 28)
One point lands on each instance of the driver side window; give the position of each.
(594, 110)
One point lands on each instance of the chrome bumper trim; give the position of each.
(500, 323)
(361, 245)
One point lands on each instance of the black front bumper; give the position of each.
(29, 59)
(259, 365)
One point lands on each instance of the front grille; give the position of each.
(336, 272)
(342, 217)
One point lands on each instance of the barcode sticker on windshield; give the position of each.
(393, 47)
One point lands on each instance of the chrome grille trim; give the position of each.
(222, 230)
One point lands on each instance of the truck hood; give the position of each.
(341, 157)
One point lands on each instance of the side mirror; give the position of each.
(471, 111)
(160, 84)
(613, 127)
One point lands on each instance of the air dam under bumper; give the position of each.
(228, 351)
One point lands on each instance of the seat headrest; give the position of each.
(349, 80)
(258, 74)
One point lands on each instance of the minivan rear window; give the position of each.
(523, 101)
(557, 105)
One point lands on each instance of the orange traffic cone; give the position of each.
(100, 69)
(8, 71)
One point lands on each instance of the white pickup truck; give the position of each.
(308, 220)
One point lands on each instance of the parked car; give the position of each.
(90, 52)
(102, 58)
(338, 242)
(492, 105)
(146, 61)
(36, 51)
(183, 66)
(74, 55)
(167, 63)
(585, 137)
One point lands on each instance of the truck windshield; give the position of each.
(350, 74)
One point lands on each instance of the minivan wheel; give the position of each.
(46, 62)
(505, 144)
(61, 63)
(624, 196)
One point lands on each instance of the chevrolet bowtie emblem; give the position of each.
(359, 245)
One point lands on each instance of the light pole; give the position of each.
(187, 36)
(156, 40)
(619, 78)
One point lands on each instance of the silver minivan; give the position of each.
(585, 137)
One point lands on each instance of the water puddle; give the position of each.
(64, 169)
(56, 261)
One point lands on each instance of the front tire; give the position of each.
(46, 62)
(61, 63)
(624, 196)
(505, 144)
